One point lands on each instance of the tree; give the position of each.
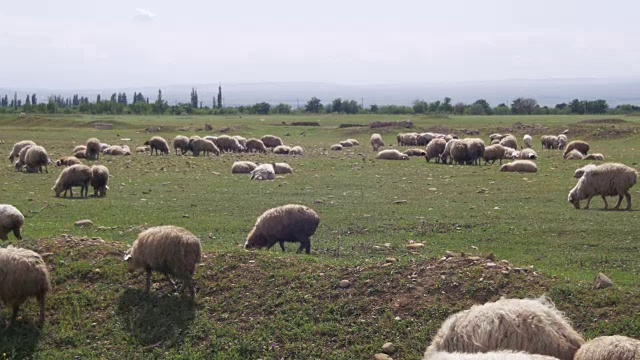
(98, 99)
(220, 97)
(262, 108)
(523, 106)
(446, 106)
(114, 98)
(458, 108)
(336, 105)
(160, 106)
(502, 109)
(374, 108)
(282, 109)
(15, 100)
(420, 106)
(194, 98)
(27, 102)
(313, 106)
(486, 108)
(34, 100)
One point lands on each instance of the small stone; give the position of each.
(450, 254)
(387, 264)
(415, 246)
(505, 272)
(397, 318)
(491, 265)
(400, 202)
(381, 356)
(602, 281)
(390, 260)
(433, 189)
(345, 284)
(84, 222)
(474, 258)
(185, 216)
(388, 348)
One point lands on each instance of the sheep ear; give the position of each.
(127, 257)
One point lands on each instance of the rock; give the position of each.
(474, 258)
(390, 260)
(381, 356)
(602, 281)
(84, 222)
(415, 246)
(400, 202)
(450, 254)
(388, 348)
(491, 265)
(345, 284)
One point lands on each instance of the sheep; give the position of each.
(282, 168)
(114, 150)
(104, 146)
(493, 153)
(23, 274)
(99, 180)
(92, 150)
(574, 155)
(36, 158)
(596, 156)
(243, 167)
(203, 145)
(255, 145)
(528, 154)
(376, 141)
(158, 144)
(494, 142)
(609, 348)
(520, 166)
(297, 150)
(67, 161)
(493, 355)
(79, 148)
(22, 158)
(391, 154)
(271, 141)
(509, 141)
(510, 153)
(528, 141)
(282, 150)
(531, 325)
(608, 179)
(562, 141)
(336, 147)
(346, 143)
(11, 219)
(213, 139)
(407, 139)
(181, 143)
(242, 141)
(496, 137)
(446, 154)
(354, 142)
(424, 138)
(434, 149)
(80, 155)
(450, 137)
(263, 172)
(74, 175)
(475, 150)
(17, 147)
(415, 152)
(228, 144)
(578, 145)
(288, 223)
(460, 152)
(579, 172)
(549, 142)
(142, 149)
(170, 250)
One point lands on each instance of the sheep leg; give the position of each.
(41, 304)
(306, 245)
(606, 205)
(282, 245)
(16, 232)
(70, 192)
(3, 234)
(628, 197)
(173, 284)
(14, 315)
(148, 285)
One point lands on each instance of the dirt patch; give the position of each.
(402, 124)
(603, 121)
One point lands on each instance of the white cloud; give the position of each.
(143, 15)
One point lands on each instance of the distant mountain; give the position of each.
(548, 92)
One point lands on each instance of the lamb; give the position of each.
(509, 141)
(11, 219)
(92, 151)
(415, 152)
(17, 147)
(528, 154)
(243, 167)
(158, 144)
(23, 274)
(36, 158)
(114, 150)
(142, 149)
(528, 141)
(336, 147)
(297, 150)
(520, 166)
(446, 154)
(562, 141)
(346, 143)
(22, 158)
(608, 179)
(578, 145)
(288, 223)
(242, 141)
(99, 180)
(609, 348)
(596, 156)
(434, 149)
(181, 143)
(282, 150)
(574, 155)
(203, 145)
(391, 154)
(263, 172)
(531, 325)
(579, 172)
(170, 250)
(493, 355)
(354, 142)
(79, 148)
(228, 144)
(493, 153)
(255, 145)
(67, 161)
(282, 168)
(74, 175)
(376, 141)
(271, 141)
(475, 150)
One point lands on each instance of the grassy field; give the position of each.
(274, 305)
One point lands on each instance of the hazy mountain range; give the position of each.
(548, 92)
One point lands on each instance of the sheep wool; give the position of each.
(36, 158)
(562, 141)
(580, 172)
(530, 325)
(242, 141)
(68, 161)
(271, 141)
(376, 141)
(256, 145)
(528, 154)
(170, 250)
(354, 142)
(509, 141)
(282, 150)
(434, 149)
(494, 355)
(528, 141)
(527, 166)
(181, 143)
(596, 157)
(11, 219)
(142, 149)
(578, 145)
(608, 179)
(336, 147)
(17, 147)
(297, 150)
(415, 152)
(92, 149)
(609, 348)
(74, 175)
(346, 143)
(23, 274)
(204, 146)
(475, 150)
(229, 144)
(459, 152)
(288, 223)
(22, 158)
(282, 168)
(243, 167)
(574, 155)
(158, 143)
(263, 172)
(493, 153)
(391, 154)
(99, 180)
(446, 154)
(407, 139)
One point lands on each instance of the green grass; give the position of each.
(268, 305)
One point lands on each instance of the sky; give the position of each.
(83, 44)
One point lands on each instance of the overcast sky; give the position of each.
(123, 43)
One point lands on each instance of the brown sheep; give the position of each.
(288, 223)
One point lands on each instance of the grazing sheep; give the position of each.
(142, 149)
(549, 142)
(346, 143)
(255, 145)
(493, 355)
(203, 145)
(528, 141)
(36, 158)
(22, 158)
(74, 175)
(609, 348)
(496, 137)
(528, 154)
(391, 154)
(578, 145)
(608, 179)
(336, 147)
(354, 142)
(562, 141)
(15, 151)
(531, 325)
(475, 150)
(68, 161)
(170, 250)
(460, 152)
(435, 148)
(263, 172)
(493, 153)
(11, 219)
(243, 167)
(509, 141)
(213, 139)
(99, 180)
(297, 150)
(92, 150)
(376, 141)
(424, 138)
(158, 144)
(415, 152)
(282, 150)
(181, 143)
(596, 156)
(228, 144)
(450, 137)
(282, 168)
(242, 141)
(579, 172)
(407, 139)
(574, 155)
(520, 166)
(446, 154)
(271, 141)
(288, 223)
(23, 274)
(496, 141)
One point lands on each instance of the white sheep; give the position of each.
(475, 150)
(459, 152)
(509, 141)
(271, 141)
(288, 223)
(67, 161)
(610, 348)
(527, 166)
(99, 180)
(493, 355)
(15, 151)
(434, 149)
(496, 137)
(528, 141)
(562, 141)
(415, 152)
(336, 147)
(92, 149)
(574, 155)
(595, 156)
(297, 150)
(36, 158)
(22, 158)
(354, 142)
(255, 145)
(579, 172)
(549, 142)
(493, 153)
(263, 172)
(243, 167)
(229, 144)
(527, 154)
(74, 175)
(11, 219)
(170, 250)
(425, 138)
(531, 325)
(282, 168)
(242, 141)
(608, 179)
(181, 142)
(376, 142)
(407, 139)
(158, 143)
(282, 150)
(578, 145)
(346, 143)
(205, 146)
(445, 156)
(391, 154)
(142, 149)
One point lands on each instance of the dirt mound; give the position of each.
(603, 121)
(402, 124)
